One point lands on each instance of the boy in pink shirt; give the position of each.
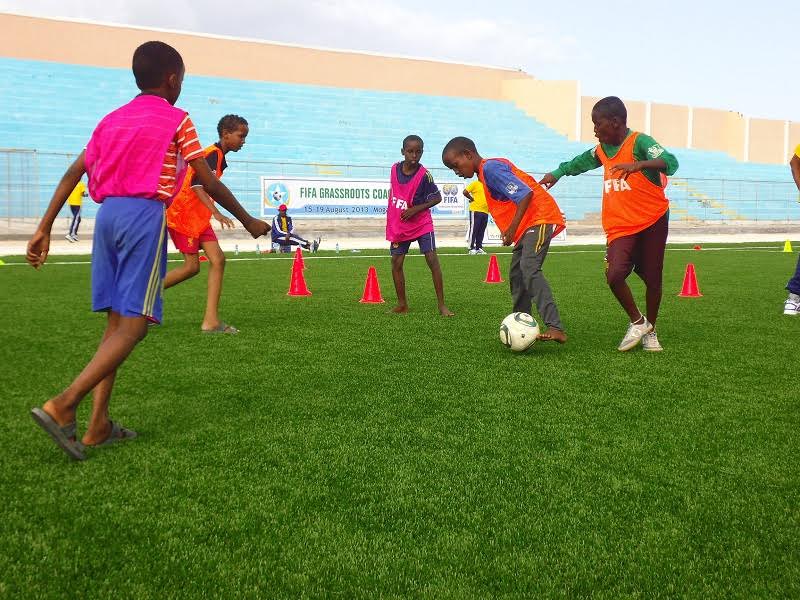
(136, 160)
(408, 218)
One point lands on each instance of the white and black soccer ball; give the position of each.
(518, 331)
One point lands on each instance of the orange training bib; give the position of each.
(630, 204)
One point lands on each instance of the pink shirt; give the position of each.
(401, 197)
(126, 153)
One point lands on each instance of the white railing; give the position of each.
(28, 178)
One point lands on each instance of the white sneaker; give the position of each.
(68, 237)
(792, 305)
(650, 342)
(480, 251)
(472, 252)
(634, 335)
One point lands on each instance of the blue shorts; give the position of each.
(129, 257)
(427, 243)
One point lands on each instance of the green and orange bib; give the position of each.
(630, 204)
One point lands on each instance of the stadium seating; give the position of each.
(324, 131)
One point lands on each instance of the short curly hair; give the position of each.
(610, 107)
(412, 138)
(230, 123)
(153, 63)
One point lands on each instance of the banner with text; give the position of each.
(337, 198)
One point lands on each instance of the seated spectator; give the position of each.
(284, 235)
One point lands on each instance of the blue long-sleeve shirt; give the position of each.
(281, 227)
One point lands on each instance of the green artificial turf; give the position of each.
(333, 450)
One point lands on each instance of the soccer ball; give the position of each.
(518, 331)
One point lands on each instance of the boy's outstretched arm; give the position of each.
(548, 181)
(39, 244)
(580, 164)
(206, 200)
(220, 192)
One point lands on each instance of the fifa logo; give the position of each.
(449, 193)
(618, 185)
(399, 203)
(450, 189)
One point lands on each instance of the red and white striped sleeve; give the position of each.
(187, 141)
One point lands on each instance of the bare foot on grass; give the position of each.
(400, 309)
(553, 335)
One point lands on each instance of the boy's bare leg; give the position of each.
(120, 338)
(622, 292)
(99, 424)
(653, 302)
(653, 243)
(216, 271)
(399, 278)
(438, 284)
(649, 245)
(189, 268)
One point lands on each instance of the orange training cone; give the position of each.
(298, 257)
(493, 274)
(690, 289)
(698, 247)
(203, 258)
(372, 291)
(297, 286)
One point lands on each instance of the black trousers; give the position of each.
(76, 219)
(477, 226)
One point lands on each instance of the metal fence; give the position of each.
(28, 178)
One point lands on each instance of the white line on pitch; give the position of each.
(356, 255)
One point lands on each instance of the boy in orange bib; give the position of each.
(635, 212)
(189, 223)
(528, 218)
